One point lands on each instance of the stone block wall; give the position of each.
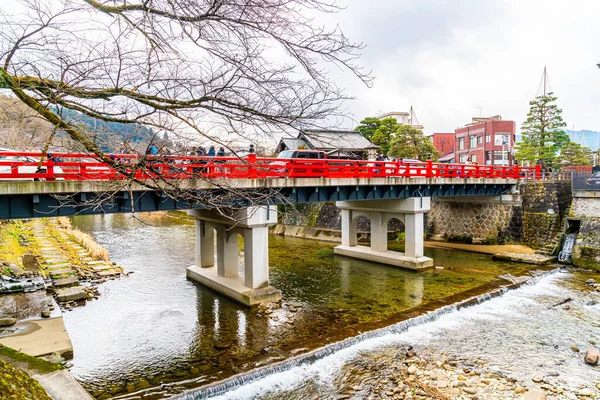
(584, 206)
(326, 216)
(544, 207)
(586, 253)
(586, 209)
(481, 220)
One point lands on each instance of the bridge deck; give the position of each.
(29, 199)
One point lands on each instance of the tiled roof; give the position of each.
(331, 140)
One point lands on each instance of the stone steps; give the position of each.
(60, 272)
(66, 282)
(71, 294)
(109, 273)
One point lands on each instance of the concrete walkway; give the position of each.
(40, 337)
(61, 385)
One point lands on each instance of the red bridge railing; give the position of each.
(85, 167)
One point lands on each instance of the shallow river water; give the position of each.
(158, 332)
(521, 334)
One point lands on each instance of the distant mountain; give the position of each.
(587, 138)
(110, 135)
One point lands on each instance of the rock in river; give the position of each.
(7, 321)
(591, 357)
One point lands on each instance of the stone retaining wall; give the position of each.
(475, 219)
(586, 209)
(586, 253)
(544, 208)
(489, 219)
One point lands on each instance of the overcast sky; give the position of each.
(448, 58)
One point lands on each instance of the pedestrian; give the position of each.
(211, 151)
(379, 165)
(251, 149)
(200, 151)
(152, 149)
(221, 152)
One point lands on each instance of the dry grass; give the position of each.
(95, 250)
(11, 249)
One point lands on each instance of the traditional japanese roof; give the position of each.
(448, 157)
(332, 140)
(293, 143)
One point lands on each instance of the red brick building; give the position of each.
(485, 141)
(444, 142)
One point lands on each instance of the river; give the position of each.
(158, 332)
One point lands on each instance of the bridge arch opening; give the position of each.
(396, 233)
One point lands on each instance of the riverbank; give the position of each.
(39, 254)
(26, 377)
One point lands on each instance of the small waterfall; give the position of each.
(236, 381)
(567, 249)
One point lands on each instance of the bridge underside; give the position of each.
(52, 199)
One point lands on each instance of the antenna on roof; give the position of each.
(412, 117)
(480, 109)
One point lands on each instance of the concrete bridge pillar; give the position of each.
(252, 224)
(205, 244)
(410, 211)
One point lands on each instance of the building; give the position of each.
(485, 141)
(337, 144)
(403, 118)
(444, 143)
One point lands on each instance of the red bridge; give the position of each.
(85, 167)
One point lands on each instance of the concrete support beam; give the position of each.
(256, 257)
(205, 244)
(413, 244)
(253, 287)
(349, 237)
(410, 211)
(378, 231)
(227, 253)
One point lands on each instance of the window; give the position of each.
(488, 138)
(463, 158)
(461, 143)
(473, 158)
(479, 139)
(472, 142)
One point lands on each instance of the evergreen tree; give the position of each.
(382, 137)
(368, 126)
(575, 154)
(409, 142)
(542, 133)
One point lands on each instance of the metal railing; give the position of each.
(85, 167)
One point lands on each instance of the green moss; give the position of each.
(18, 385)
(32, 363)
(459, 238)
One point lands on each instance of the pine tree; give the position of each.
(575, 154)
(542, 134)
(409, 142)
(384, 134)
